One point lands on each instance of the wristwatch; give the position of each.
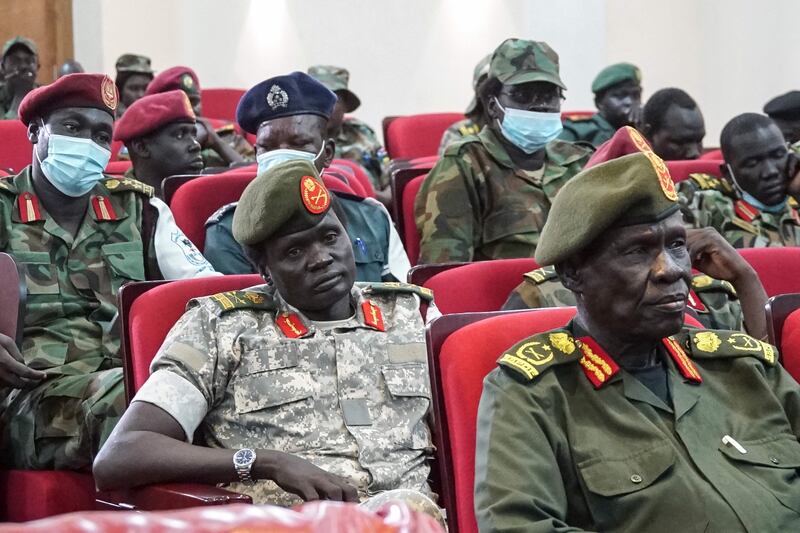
(243, 463)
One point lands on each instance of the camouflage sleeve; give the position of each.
(449, 136)
(540, 288)
(446, 212)
(712, 209)
(689, 202)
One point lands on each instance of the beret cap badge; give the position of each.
(277, 97)
(109, 93)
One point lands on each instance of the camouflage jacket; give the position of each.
(456, 132)
(594, 130)
(357, 142)
(73, 282)
(474, 205)
(707, 201)
(713, 302)
(351, 396)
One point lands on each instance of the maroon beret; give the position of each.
(625, 141)
(72, 90)
(182, 78)
(149, 113)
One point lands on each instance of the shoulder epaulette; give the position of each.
(707, 182)
(469, 129)
(710, 343)
(379, 288)
(217, 215)
(245, 299)
(117, 185)
(704, 283)
(540, 275)
(455, 147)
(530, 358)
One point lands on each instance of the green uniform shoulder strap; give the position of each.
(382, 288)
(224, 302)
(540, 275)
(454, 148)
(7, 184)
(704, 283)
(531, 357)
(717, 343)
(707, 182)
(118, 185)
(469, 129)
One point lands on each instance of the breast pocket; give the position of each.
(369, 257)
(41, 275)
(124, 262)
(408, 403)
(520, 225)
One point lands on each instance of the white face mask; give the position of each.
(267, 160)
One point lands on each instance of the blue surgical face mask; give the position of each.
(267, 160)
(73, 164)
(752, 200)
(530, 131)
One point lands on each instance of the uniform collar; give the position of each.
(558, 154)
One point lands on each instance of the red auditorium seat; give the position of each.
(358, 173)
(220, 103)
(776, 267)
(783, 325)
(713, 154)
(416, 135)
(410, 233)
(16, 150)
(680, 170)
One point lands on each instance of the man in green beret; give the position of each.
(625, 419)
(18, 70)
(489, 195)
(309, 387)
(475, 114)
(618, 97)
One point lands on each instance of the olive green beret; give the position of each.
(615, 74)
(289, 194)
(632, 189)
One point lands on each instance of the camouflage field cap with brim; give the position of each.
(521, 61)
(336, 79)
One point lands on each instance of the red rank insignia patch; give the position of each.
(291, 325)
(745, 211)
(316, 198)
(596, 363)
(684, 364)
(103, 210)
(373, 316)
(694, 302)
(29, 208)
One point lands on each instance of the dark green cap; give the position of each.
(632, 189)
(21, 41)
(288, 197)
(134, 63)
(520, 61)
(336, 79)
(479, 75)
(615, 74)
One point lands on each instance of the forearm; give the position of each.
(752, 298)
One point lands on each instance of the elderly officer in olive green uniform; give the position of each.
(18, 70)
(476, 116)
(625, 419)
(754, 204)
(618, 97)
(489, 196)
(355, 140)
(312, 386)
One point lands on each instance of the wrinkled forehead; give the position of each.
(618, 236)
(90, 116)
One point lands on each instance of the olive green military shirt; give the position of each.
(594, 130)
(707, 201)
(713, 302)
(474, 205)
(568, 441)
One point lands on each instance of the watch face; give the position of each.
(243, 457)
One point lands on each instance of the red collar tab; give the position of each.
(596, 363)
(373, 316)
(745, 211)
(103, 210)
(685, 365)
(291, 325)
(694, 303)
(29, 208)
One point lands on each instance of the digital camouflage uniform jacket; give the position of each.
(474, 205)
(357, 142)
(568, 441)
(352, 397)
(707, 201)
(594, 130)
(712, 301)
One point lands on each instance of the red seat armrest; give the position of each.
(167, 496)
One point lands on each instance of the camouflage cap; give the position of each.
(287, 198)
(20, 41)
(479, 75)
(521, 61)
(615, 74)
(134, 63)
(336, 79)
(632, 189)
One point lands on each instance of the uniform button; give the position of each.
(636, 478)
(774, 460)
(376, 255)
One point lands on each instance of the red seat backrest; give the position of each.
(777, 268)
(359, 174)
(118, 168)
(478, 287)
(680, 170)
(418, 135)
(16, 150)
(220, 103)
(713, 154)
(790, 344)
(410, 232)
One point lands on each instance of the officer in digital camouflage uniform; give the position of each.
(753, 205)
(19, 67)
(625, 420)
(312, 386)
(618, 98)
(489, 195)
(476, 117)
(784, 110)
(134, 74)
(355, 140)
(714, 302)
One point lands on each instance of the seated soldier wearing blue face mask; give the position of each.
(489, 195)
(289, 116)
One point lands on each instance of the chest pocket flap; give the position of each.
(40, 273)
(124, 259)
(367, 249)
(777, 452)
(269, 376)
(614, 477)
(407, 380)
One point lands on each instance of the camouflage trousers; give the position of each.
(62, 423)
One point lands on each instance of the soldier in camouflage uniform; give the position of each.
(489, 196)
(753, 205)
(18, 70)
(355, 140)
(323, 383)
(476, 116)
(134, 74)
